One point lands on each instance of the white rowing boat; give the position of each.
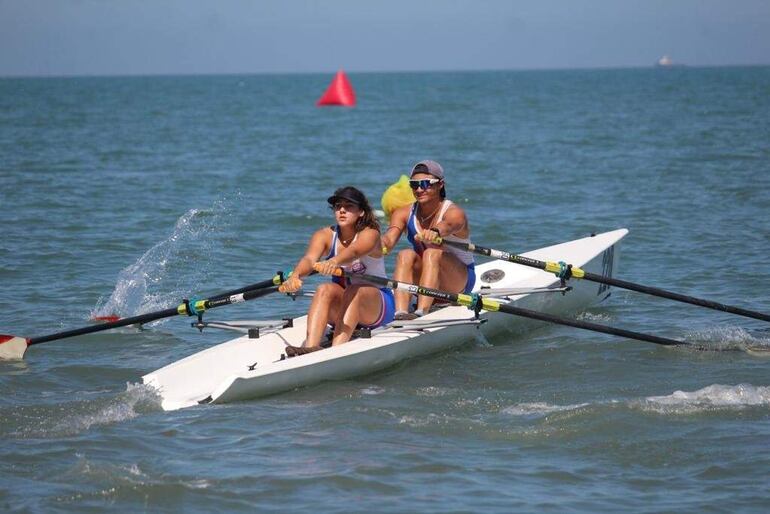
(248, 367)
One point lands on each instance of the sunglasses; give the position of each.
(423, 184)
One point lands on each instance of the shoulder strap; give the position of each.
(447, 204)
(333, 249)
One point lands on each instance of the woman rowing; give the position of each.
(346, 302)
(428, 220)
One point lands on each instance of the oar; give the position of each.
(479, 303)
(13, 347)
(569, 271)
(276, 280)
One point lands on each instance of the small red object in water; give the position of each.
(339, 92)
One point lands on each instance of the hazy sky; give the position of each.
(104, 37)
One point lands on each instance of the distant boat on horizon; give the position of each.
(666, 62)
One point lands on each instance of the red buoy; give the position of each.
(339, 92)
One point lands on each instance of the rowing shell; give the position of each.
(250, 367)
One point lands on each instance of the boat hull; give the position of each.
(245, 368)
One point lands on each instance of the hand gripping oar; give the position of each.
(479, 303)
(567, 271)
(13, 347)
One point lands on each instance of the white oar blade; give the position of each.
(12, 347)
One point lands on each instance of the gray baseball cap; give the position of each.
(428, 166)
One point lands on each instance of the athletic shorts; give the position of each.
(387, 311)
(471, 278)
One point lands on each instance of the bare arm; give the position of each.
(454, 223)
(318, 245)
(398, 221)
(367, 241)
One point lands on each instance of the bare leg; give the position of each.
(440, 270)
(324, 307)
(408, 269)
(361, 303)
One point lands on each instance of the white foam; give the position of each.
(711, 398)
(372, 390)
(431, 391)
(415, 421)
(595, 317)
(537, 409)
(726, 338)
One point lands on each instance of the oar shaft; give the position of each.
(275, 281)
(623, 284)
(143, 318)
(654, 291)
(237, 295)
(587, 325)
(493, 305)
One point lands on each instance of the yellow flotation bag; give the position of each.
(397, 195)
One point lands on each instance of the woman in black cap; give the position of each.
(346, 302)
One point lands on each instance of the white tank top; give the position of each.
(414, 227)
(364, 264)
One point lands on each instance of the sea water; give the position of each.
(124, 195)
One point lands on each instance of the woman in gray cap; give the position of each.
(354, 245)
(431, 217)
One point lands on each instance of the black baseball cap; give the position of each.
(350, 194)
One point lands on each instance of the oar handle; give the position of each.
(338, 272)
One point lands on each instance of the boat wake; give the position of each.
(171, 266)
(496, 419)
(712, 398)
(112, 480)
(82, 415)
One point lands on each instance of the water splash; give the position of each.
(712, 398)
(596, 317)
(729, 338)
(482, 340)
(167, 271)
